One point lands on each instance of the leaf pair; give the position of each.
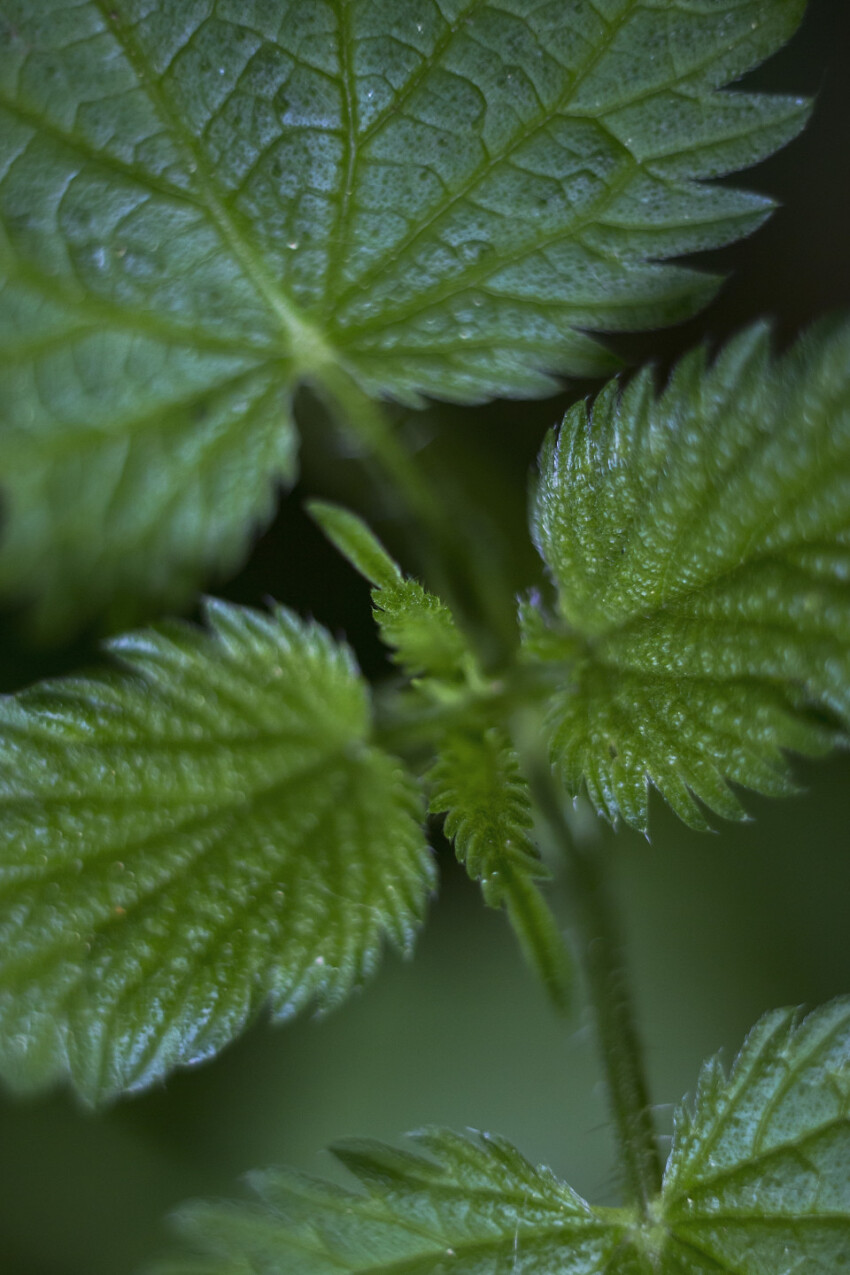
(756, 1184)
(202, 208)
(210, 829)
(476, 778)
(215, 828)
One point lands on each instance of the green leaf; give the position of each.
(756, 1184)
(415, 623)
(476, 780)
(204, 832)
(476, 1208)
(700, 544)
(356, 542)
(203, 205)
(758, 1180)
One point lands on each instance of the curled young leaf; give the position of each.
(421, 630)
(476, 780)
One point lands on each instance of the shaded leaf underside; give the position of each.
(476, 780)
(201, 204)
(700, 544)
(200, 834)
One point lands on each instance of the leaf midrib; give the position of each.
(196, 747)
(350, 121)
(435, 1245)
(150, 844)
(307, 344)
(724, 1219)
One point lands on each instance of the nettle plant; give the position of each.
(207, 204)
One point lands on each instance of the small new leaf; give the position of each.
(476, 780)
(699, 540)
(419, 627)
(202, 206)
(205, 832)
(758, 1178)
(476, 1208)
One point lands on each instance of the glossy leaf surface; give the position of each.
(758, 1180)
(699, 541)
(202, 833)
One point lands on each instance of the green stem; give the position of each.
(540, 938)
(409, 724)
(362, 416)
(600, 955)
(597, 932)
(470, 597)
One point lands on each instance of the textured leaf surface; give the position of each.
(476, 1207)
(414, 622)
(700, 545)
(476, 780)
(757, 1184)
(758, 1180)
(201, 203)
(202, 833)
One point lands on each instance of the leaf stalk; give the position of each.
(599, 951)
(472, 599)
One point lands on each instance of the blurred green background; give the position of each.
(720, 928)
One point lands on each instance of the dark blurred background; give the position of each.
(720, 928)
